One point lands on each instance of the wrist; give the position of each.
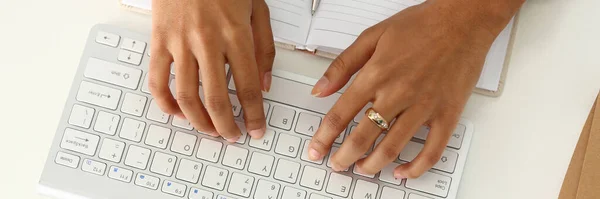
(491, 16)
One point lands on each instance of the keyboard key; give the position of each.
(331, 152)
(455, 140)
(415, 196)
(112, 73)
(145, 87)
(133, 45)
(79, 141)
(183, 143)
(243, 131)
(240, 185)
(133, 104)
(235, 157)
(182, 123)
(308, 124)
(111, 150)
(338, 184)
(120, 174)
(132, 130)
(215, 178)
(266, 107)
(108, 39)
(155, 114)
(282, 117)
(265, 142)
(107, 123)
(317, 196)
(261, 164)
(287, 171)
(313, 178)
(173, 188)
(163, 164)
(209, 150)
(81, 116)
(94, 167)
(129, 57)
(236, 107)
(389, 193)
(431, 183)
(287, 145)
(147, 181)
(387, 174)
(340, 137)
(98, 95)
(196, 193)
(189, 171)
(305, 154)
(365, 190)
(446, 163)
(266, 190)
(158, 136)
(292, 193)
(66, 159)
(224, 197)
(137, 157)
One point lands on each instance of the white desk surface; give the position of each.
(523, 140)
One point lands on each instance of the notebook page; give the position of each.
(290, 20)
(338, 23)
(494, 62)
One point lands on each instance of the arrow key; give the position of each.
(130, 57)
(108, 39)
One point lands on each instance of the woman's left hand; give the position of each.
(417, 67)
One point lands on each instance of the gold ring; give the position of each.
(376, 118)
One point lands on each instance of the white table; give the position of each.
(523, 140)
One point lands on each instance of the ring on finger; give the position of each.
(377, 119)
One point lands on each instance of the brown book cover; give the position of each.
(582, 180)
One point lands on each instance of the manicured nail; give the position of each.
(314, 155)
(267, 82)
(320, 86)
(257, 133)
(232, 140)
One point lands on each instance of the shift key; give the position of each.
(113, 73)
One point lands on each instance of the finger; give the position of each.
(247, 82)
(158, 80)
(188, 98)
(435, 145)
(216, 100)
(348, 63)
(361, 139)
(336, 120)
(394, 141)
(264, 46)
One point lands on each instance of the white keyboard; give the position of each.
(114, 142)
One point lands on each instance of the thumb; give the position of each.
(348, 63)
(264, 47)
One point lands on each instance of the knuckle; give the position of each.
(217, 103)
(334, 121)
(254, 120)
(250, 96)
(389, 153)
(359, 142)
(186, 99)
(339, 65)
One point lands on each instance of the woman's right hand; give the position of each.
(203, 35)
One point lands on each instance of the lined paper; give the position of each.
(290, 19)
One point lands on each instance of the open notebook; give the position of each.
(337, 23)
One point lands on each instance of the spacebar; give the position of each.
(298, 94)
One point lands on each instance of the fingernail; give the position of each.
(337, 167)
(313, 154)
(267, 81)
(232, 140)
(320, 86)
(399, 176)
(180, 115)
(257, 133)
